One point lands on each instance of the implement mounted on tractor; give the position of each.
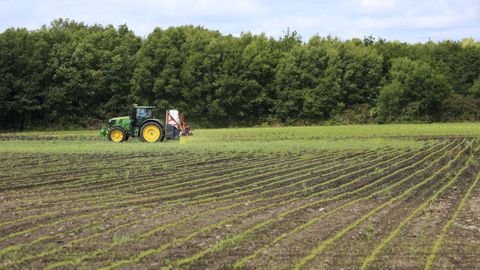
(141, 123)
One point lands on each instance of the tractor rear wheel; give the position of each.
(152, 132)
(117, 134)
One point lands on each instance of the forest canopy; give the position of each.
(70, 74)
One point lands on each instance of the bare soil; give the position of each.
(88, 211)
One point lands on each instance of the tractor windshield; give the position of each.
(144, 113)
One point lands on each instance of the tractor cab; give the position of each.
(141, 113)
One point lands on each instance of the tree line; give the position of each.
(69, 74)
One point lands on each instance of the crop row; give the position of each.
(417, 210)
(73, 211)
(241, 237)
(260, 195)
(110, 183)
(146, 253)
(95, 166)
(143, 254)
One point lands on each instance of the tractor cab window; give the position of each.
(144, 113)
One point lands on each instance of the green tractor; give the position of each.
(142, 124)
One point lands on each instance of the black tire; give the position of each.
(114, 130)
(149, 124)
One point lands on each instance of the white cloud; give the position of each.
(377, 5)
(194, 8)
(323, 25)
(409, 20)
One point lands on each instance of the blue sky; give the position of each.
(405, 20)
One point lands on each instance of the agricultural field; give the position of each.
(347, 197)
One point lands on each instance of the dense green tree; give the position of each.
(354, 75)
(245, 79)
(416, 91)
(474, 90)
(294, 77)
(91, 69)
(325, 77)
(21, 68)
(72, 74)
(157, 76)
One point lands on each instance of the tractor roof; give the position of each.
(144, 107)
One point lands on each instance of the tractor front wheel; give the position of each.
(151, 132)
(117, 134)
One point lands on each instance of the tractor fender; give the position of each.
(153, 120)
